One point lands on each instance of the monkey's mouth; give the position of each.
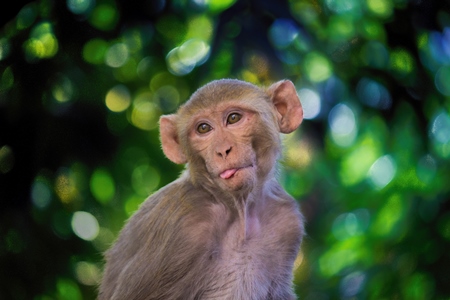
(227, 174)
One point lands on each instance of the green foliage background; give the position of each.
(83, 83)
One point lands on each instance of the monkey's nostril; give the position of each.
(224, 153)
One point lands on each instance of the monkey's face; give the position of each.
(228, 132)
(221, 143)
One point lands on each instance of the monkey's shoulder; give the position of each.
(280, 199)
(168, 219)
(179, 198)
(172, 211)
(283, 212)
(162, 239)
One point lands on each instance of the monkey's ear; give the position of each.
(169, 139)
(287, 103)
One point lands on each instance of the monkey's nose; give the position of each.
(224, 153)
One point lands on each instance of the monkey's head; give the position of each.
(228, 132)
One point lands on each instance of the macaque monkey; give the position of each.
(225, 229)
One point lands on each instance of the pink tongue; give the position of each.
(228, 173)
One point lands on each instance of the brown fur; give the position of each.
(207, 237)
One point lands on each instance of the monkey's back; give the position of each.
(185, 245)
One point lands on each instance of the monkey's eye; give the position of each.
(203, 128)
(233, 118)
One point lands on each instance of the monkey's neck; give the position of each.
(244, 206)
(246, 212)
